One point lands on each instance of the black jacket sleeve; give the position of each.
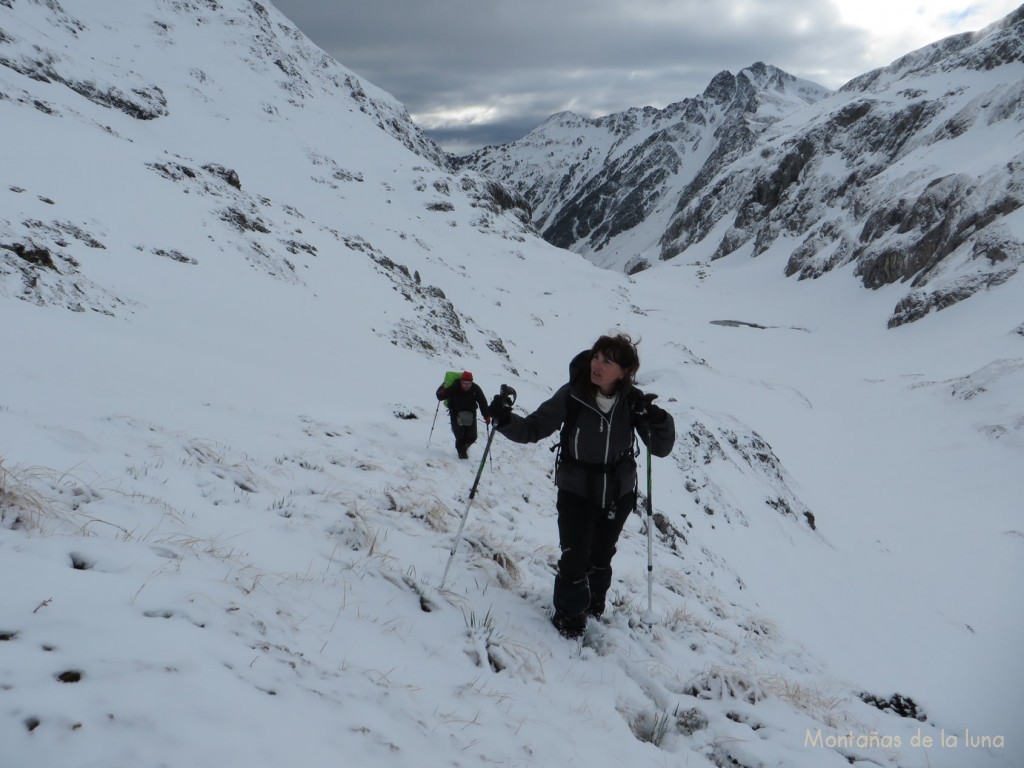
(662, 435)
(481, 400)
(542, 422)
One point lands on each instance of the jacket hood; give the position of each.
(579, 371)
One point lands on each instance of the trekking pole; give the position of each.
(506, 391)
(433, 423)
(650, 532)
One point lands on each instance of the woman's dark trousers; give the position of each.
(587, 535)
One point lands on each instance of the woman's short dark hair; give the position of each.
(620, 349)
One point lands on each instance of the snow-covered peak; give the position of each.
(262, 62)
(592, 180)
(997, 44)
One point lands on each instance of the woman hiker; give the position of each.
(598, 411)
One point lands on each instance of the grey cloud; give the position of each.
(464, 139)
(591, 56)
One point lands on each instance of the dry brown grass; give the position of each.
(21, 504)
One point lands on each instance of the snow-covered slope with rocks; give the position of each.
(912, 173)
(231, 276)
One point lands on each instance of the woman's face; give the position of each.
(605, 374)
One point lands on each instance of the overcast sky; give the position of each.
(476, 72)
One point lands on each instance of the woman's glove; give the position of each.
(645, 412)
(501, 410)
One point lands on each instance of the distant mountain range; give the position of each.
(913, 173)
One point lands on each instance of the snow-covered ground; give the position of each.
(228, 499)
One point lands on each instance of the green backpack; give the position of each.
(450, 378)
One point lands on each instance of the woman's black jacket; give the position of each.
(596, 459)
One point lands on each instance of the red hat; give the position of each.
(467, 376)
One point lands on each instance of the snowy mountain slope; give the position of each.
(226, 497)
(911, 172)
(591, 182)
(249, 179)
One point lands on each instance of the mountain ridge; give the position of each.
(820, 172)
(646, 146)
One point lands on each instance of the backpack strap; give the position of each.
(577, 372)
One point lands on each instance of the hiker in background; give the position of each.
(598, 410)
(463, 396)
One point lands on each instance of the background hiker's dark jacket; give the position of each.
(600, 447)
(459, 400)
